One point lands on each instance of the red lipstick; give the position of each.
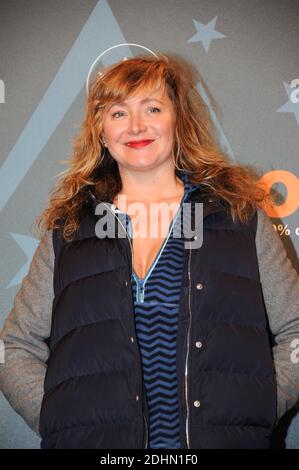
(138, 143)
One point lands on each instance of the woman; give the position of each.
(123, 341)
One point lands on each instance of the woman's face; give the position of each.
(140, 118)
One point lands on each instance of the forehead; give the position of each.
(142, 96)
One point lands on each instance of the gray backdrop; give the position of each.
(245, 50)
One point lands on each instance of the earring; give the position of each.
(104, 142)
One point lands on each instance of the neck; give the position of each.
(151, 185)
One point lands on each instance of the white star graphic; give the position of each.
(206, 33)
(290, 106)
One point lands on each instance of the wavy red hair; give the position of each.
(196, 149)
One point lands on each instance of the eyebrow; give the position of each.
(145, 100)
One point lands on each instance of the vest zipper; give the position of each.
(141, 296)
(146, 428)
(125, 232)
(187, 354)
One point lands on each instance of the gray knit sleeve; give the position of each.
(26, 327)
(280, 284)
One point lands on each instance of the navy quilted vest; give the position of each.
(94, 391)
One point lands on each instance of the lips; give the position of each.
(138, 143)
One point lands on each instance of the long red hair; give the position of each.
(196, 149)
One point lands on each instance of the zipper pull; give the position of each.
(141, 293)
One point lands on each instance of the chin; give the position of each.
(142, 163)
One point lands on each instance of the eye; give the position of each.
(118, 112)
(158, 109)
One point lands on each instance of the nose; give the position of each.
(136, 123)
